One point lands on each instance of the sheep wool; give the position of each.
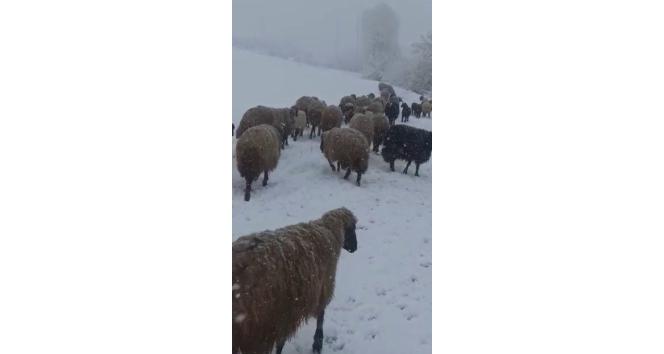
(348, 148)
(299, 123)
(426, 108)
(381, 124)
(376, 106)
(365, 124)
(346, 99)
(332, 117)
(407, 143)
(257, 151)
(362, 101)
(280, 118)
(314, 115)
(283, 277)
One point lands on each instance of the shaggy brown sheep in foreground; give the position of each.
(283, 277)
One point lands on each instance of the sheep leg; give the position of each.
(319, 130)
(405, 170)
(247, 191)
(338, 166)
(280, 347)
(417, 169)
(331, 165)
(392, 165)
(359, 176)
(318, 336)
(265, 179)
(313, 130)
(347, 174)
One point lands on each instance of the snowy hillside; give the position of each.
(382, 301)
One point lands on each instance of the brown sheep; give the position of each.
(314, 114)
(304, 102)
(280, 118)
(348, 110)
(332, 118)
(300, 122)
(347, 99)
(365, 124)
(257, 151)
(349, 148)
(282, 278)
(362, 101)
(377, 106)
(381, 125)
(285, 117)
(387, 88)
(426, 108)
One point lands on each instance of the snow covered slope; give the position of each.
(382, 301)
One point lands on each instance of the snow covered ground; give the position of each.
(382, 301)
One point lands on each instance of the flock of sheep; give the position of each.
(283, 277)
(264, 131)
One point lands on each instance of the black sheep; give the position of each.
(405, 112)
(392, 111)
(404, 142)
(417, 109)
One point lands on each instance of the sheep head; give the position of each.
(350, 239)
(343, 219)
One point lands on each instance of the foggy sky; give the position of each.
(324, 28)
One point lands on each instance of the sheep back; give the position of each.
(315, 112)
(407, 143)
(331, 118)
(304, 102)
(426, 107)
(364, 123)
(362, 101)
(300, 120)
(386, 87)
(258, 150)
(376, 107)
(348, 146)
(346, 99)
(284, 118)
(381, 125)
(255, 116)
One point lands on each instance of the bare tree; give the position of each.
(420, 76)
(379, 40)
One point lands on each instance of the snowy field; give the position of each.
(382, 301)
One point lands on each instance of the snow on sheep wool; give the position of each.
(283, 277)
(257, 151)
(348, 148)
